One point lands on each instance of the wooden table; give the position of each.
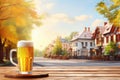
(68, 73)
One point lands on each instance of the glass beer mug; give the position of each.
(24, 56)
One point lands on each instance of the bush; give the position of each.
(110, 49)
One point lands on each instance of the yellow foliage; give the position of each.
(116, 21)
(15, 15)
(111, 12)
(20, 21)
(33, 14)
(6, 33)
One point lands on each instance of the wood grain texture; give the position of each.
(63, 73)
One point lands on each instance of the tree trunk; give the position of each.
(1, 54)
(8, 52)
(2, 43)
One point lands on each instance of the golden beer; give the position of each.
(25, 59)
(25, 56)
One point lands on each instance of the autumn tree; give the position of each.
(111, 10)
(72, 34)
(57, 50)
(16, 20)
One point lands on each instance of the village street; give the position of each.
(40, 61)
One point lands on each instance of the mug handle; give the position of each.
(11, 59)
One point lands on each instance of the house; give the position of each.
(105, 34)
(82, 43)
(118, 38)
(112, 34)
(99, 38)
(65, 46)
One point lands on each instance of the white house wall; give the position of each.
(79, 47)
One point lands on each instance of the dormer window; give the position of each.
(108, 29)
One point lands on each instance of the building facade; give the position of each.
(111, 34)
(99, 38)
(105, 34)
(82, 43)
(65, 44)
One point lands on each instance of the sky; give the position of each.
(61, 17)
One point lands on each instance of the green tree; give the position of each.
(111, 11)
(71, 36)
(57, 50)
(65, 53)
(110, 49)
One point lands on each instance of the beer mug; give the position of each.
(24, 56)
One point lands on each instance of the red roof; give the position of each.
(108, 28)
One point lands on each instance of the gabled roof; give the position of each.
(108, 28)
(86, 34)
(99, 30)
(102, 29)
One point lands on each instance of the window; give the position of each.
(112, 38)
(76, 44)
(118, 37)
(85, 43)
(90, 43)
(97, 41)
(107, 38)
(82, 44)
(102, 40)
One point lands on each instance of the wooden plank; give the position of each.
(69, 73)
(79, 72)
(75, 70)
(72, 69)
(84, 75)
(81, 67)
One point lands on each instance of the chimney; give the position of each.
(105, 23)
(88, 28)
(85, 29)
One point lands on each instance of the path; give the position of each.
(39, 61)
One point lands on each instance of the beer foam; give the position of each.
(25, 43)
